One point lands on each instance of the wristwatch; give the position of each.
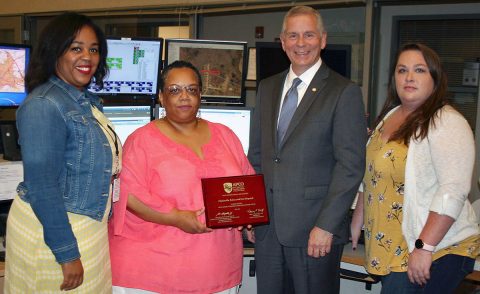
(419, 244)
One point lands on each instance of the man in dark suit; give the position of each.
(312, 174)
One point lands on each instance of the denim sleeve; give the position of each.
(42, 137)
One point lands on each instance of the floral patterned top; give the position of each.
(385, 247)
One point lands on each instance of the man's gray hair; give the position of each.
(303, 10)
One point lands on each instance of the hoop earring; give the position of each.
(162, 113)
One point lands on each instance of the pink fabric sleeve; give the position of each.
(133, 178)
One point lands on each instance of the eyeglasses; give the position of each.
(175, 90)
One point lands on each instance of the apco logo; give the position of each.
(228, 187)
(234, 187)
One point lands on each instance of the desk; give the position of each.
(354, 256)
(475, 276)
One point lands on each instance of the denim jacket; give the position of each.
(67, 161)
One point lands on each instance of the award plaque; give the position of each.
(235, 201)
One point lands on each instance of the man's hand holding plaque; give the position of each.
(235, 201)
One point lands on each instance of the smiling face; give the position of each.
(79, 62)
(413, 81)
(302, 41)
(181, 95)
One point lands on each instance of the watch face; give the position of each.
(419, 244)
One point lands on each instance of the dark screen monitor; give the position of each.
(127, 119)
(238, 119)
(134, 67)
(339, 58)
(271, 59)
(14, 60)
(222, 64)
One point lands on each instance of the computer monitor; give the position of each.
(222, 64)
(238, 119)
(127, 119)
(271, 59)
(134, 66)
(14, 60)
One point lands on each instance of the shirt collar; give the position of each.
(75, 93)
(307, 76)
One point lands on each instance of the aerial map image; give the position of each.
(12, 75)
(221, 70)
(12, 70)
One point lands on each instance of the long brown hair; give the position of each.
(417, 123)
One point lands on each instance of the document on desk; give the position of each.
(11, 173)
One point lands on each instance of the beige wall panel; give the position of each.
(51, 6)
(36, 6)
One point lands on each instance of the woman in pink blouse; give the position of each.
(158, 238)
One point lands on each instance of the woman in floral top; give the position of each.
(421, 234)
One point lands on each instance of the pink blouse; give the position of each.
(164, 175)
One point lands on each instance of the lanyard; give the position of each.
(115, 142)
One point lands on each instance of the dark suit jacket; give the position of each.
(312, 178)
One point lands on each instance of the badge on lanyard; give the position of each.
(116, 189)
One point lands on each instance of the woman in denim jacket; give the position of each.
(57, 226)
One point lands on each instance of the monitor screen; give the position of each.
(238, 119)
(271, 59)
(13, 65)
(127, 119)
(134, 67)
(222, 64)
(339, 58)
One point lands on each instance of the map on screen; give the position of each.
(222, 65)
(12, 70)
(221, 69)
(13, 65)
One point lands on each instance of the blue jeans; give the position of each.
(446, 274)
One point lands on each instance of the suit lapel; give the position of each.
(313, 92)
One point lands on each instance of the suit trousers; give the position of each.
(290, 270)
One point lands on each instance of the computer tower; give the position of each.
(11, 149)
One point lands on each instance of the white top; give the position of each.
(438, 175)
